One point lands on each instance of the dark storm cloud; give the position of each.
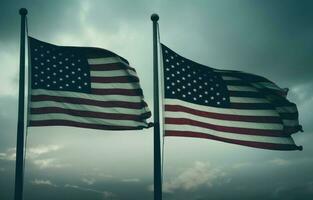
(44, 17)
(285, 33)
(47, 18)
(271, 39)
(109, 18)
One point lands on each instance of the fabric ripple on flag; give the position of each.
(84, 87)
(225, 105)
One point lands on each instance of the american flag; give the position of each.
(84, 87)
(225, 105)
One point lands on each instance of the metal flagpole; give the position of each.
(157, 143)
(19, 165)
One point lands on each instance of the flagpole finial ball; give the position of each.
(154, 17)
(23, 11)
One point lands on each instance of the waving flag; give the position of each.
(224, 105)
(84, 87)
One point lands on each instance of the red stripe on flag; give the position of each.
(83, 113)
(81, 125)
(116, 79)
(245, 131)
(72, 100)
(126, 92)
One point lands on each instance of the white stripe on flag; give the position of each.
(267, 85)
(108, 60)
(225, 123)
(230, 78)
(241, 88)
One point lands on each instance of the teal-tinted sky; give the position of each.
(270, 38)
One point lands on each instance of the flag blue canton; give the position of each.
(59, 68)
(192, 82)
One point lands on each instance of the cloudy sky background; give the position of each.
(269, 38)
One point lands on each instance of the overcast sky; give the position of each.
(269, 38)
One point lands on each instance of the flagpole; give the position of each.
(157, 143)
(19, 165)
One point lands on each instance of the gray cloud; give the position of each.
(131, 180)
(8, 155)
(34, 152)
(34, 155)
(242, 165)
(280, 162)
(43, 182)
(105, 194)
(199, 175)
(89, 181)
(49, 163)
